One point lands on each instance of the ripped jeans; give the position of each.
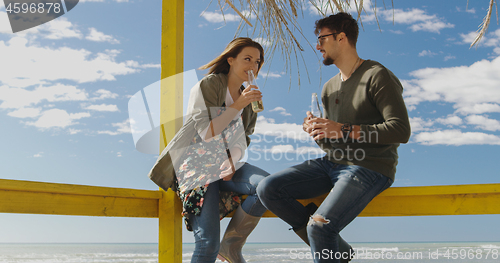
(350, 189)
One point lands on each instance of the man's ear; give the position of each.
(342, 36)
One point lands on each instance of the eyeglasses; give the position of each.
(321, 38)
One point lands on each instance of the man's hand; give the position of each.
(320, 128)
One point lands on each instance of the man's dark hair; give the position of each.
(340, 22)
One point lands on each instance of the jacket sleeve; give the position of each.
(386, 93)
(204, 102)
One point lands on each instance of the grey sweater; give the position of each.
(372, 98)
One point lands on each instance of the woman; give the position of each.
(207, 149)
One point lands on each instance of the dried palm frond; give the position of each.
(486, 22)
(276, 21)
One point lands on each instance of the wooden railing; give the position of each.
(65, 199)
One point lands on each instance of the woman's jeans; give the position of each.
(206, 225)
(350, 189)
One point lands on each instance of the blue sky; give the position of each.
(65, 87)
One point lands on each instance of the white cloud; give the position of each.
(281, 110)
(449, 57)
(102, 107)
(472, 11)
(119, 154)
(269, 75)
(427, 53)
(479, 108)
(467, 88)
(150, 66)
(281, 148)
(483, 123)
(469, 37)
(97, 36)
(431, 26)
(104, 94)
(25, 113)
(450, 120)
(456, 137)
(57, 118)
(398, 32)
(31, 65)
(417, 124)
(329, 9)
(265, 43)
(417, 19)
(4, 22)
(73, 131)
(38, 155)
(490, 40)
(19, 98)
(56, 29)
(216, 17)
(282, 131)
(121, 127)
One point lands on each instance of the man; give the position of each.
(365, 121)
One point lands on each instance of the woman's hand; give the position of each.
(306, 126)
(227, 170)
(247, 96)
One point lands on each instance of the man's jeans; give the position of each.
(206, 226)
(350, 188)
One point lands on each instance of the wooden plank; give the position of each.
(64, 199)
(172, 66)
(172, 63)
(456, 204)
(170, 230)
(82, 205)
(476, 199)
(41, 187)
(443, 189)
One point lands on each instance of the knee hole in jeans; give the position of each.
(318, 220)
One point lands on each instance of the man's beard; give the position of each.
(327, 61)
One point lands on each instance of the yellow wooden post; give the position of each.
(172, 49)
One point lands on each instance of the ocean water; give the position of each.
(254, 252)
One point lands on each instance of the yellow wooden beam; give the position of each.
(172, 64)
(66, 199)
(56, 188)
(475, 199)
(170, 231)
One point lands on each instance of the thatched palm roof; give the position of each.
(276, 20)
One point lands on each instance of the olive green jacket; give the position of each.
(213, 88)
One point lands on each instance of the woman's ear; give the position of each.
(230, 61)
